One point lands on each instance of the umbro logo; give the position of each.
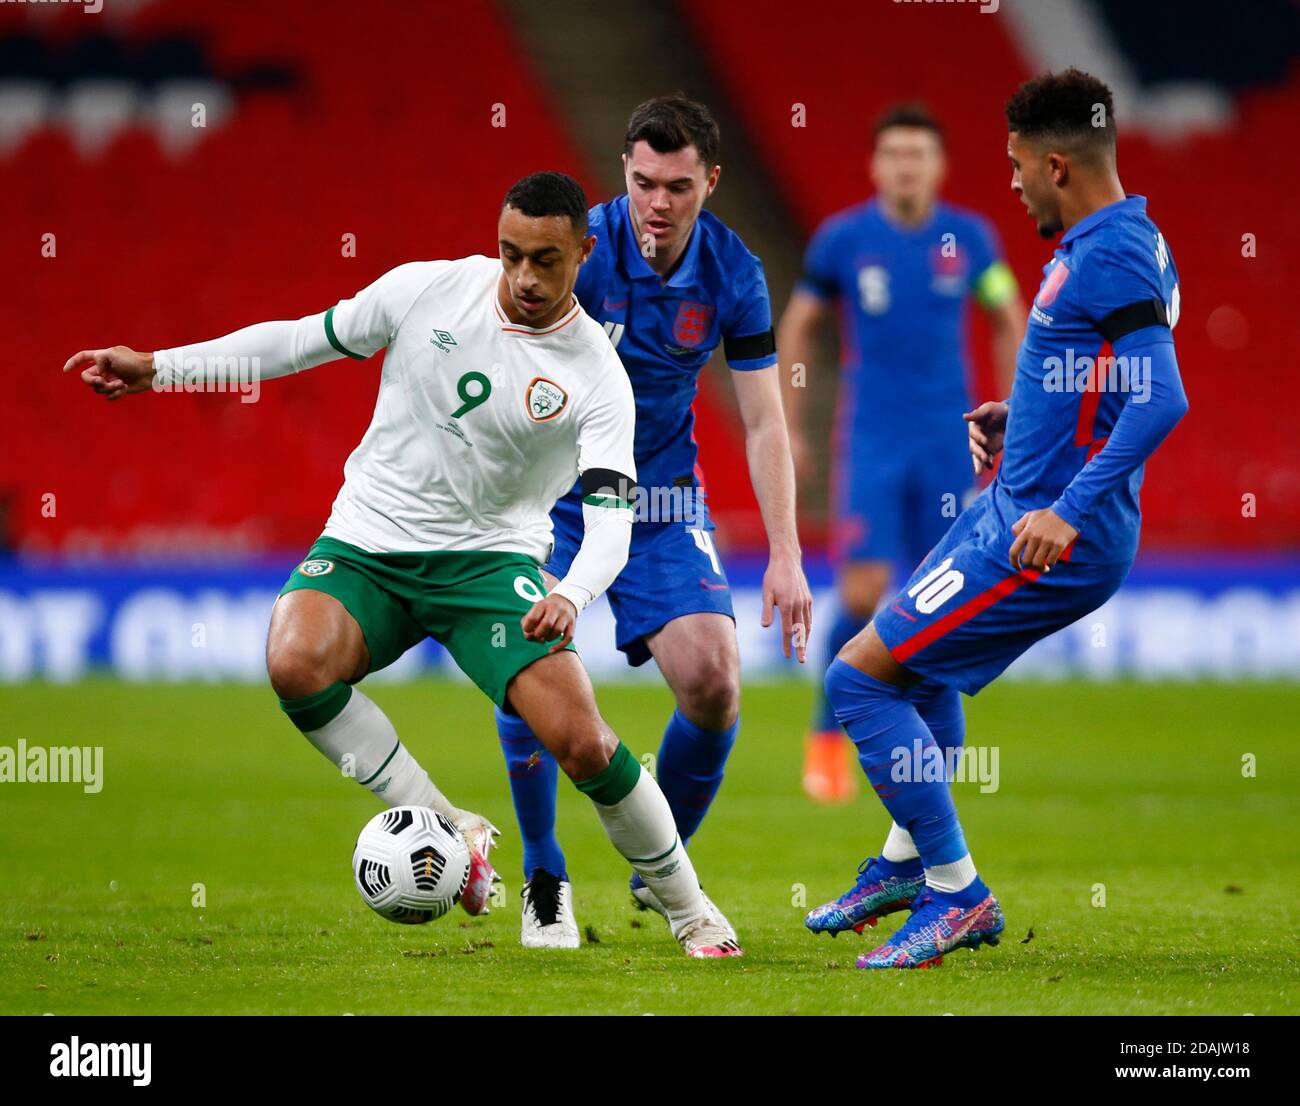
(442, 339)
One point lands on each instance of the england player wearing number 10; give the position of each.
(1096, 390)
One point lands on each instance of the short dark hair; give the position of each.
(1072, 108)
(670, 123)
(913, 113)
(549, 193)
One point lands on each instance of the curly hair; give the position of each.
(1072, 108)
(549, 193)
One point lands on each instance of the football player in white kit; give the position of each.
(497, 393)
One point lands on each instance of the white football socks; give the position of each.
(953, 877)
(957, 876)
(641, 827)
(361, 742)
(899, 846)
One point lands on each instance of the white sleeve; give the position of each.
(608, 476)
(609, 421)
(356, 328)
(262, 351)
(606, 538)
(368, 322)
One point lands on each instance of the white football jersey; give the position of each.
(480, 424)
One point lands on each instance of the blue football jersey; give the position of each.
(1111, 288)
(665, 332)
(903, 296)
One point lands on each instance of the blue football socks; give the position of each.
(894, 744)
(533, 775)
(690, 768)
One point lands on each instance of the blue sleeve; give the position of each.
(1149, 414)
(819, 277)
(747, 339)
(1115, 275)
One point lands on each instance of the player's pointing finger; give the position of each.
(84, 357)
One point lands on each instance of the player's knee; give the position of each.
(854, 695)
(835, 686)
(710, 695)
(298, 669)
(584, 755)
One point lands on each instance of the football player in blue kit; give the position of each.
(670, 283)
(900, 270)
(1097, 389)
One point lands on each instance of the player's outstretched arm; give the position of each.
(263, 351)
(354, 328)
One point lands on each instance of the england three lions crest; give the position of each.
(544, 399)
(1051, 287)
(693, 323)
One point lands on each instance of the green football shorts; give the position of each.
(469, 602)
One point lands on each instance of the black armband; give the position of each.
(607, 488)
(749, 346)
(1135, 316)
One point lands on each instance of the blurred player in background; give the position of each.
(670, 283)
(1097, 389)
(901, 269)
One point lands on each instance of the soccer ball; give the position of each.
(411, 864)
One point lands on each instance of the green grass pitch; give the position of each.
(1137, 788)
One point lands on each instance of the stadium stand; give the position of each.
(246, 223)
(104, 173)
